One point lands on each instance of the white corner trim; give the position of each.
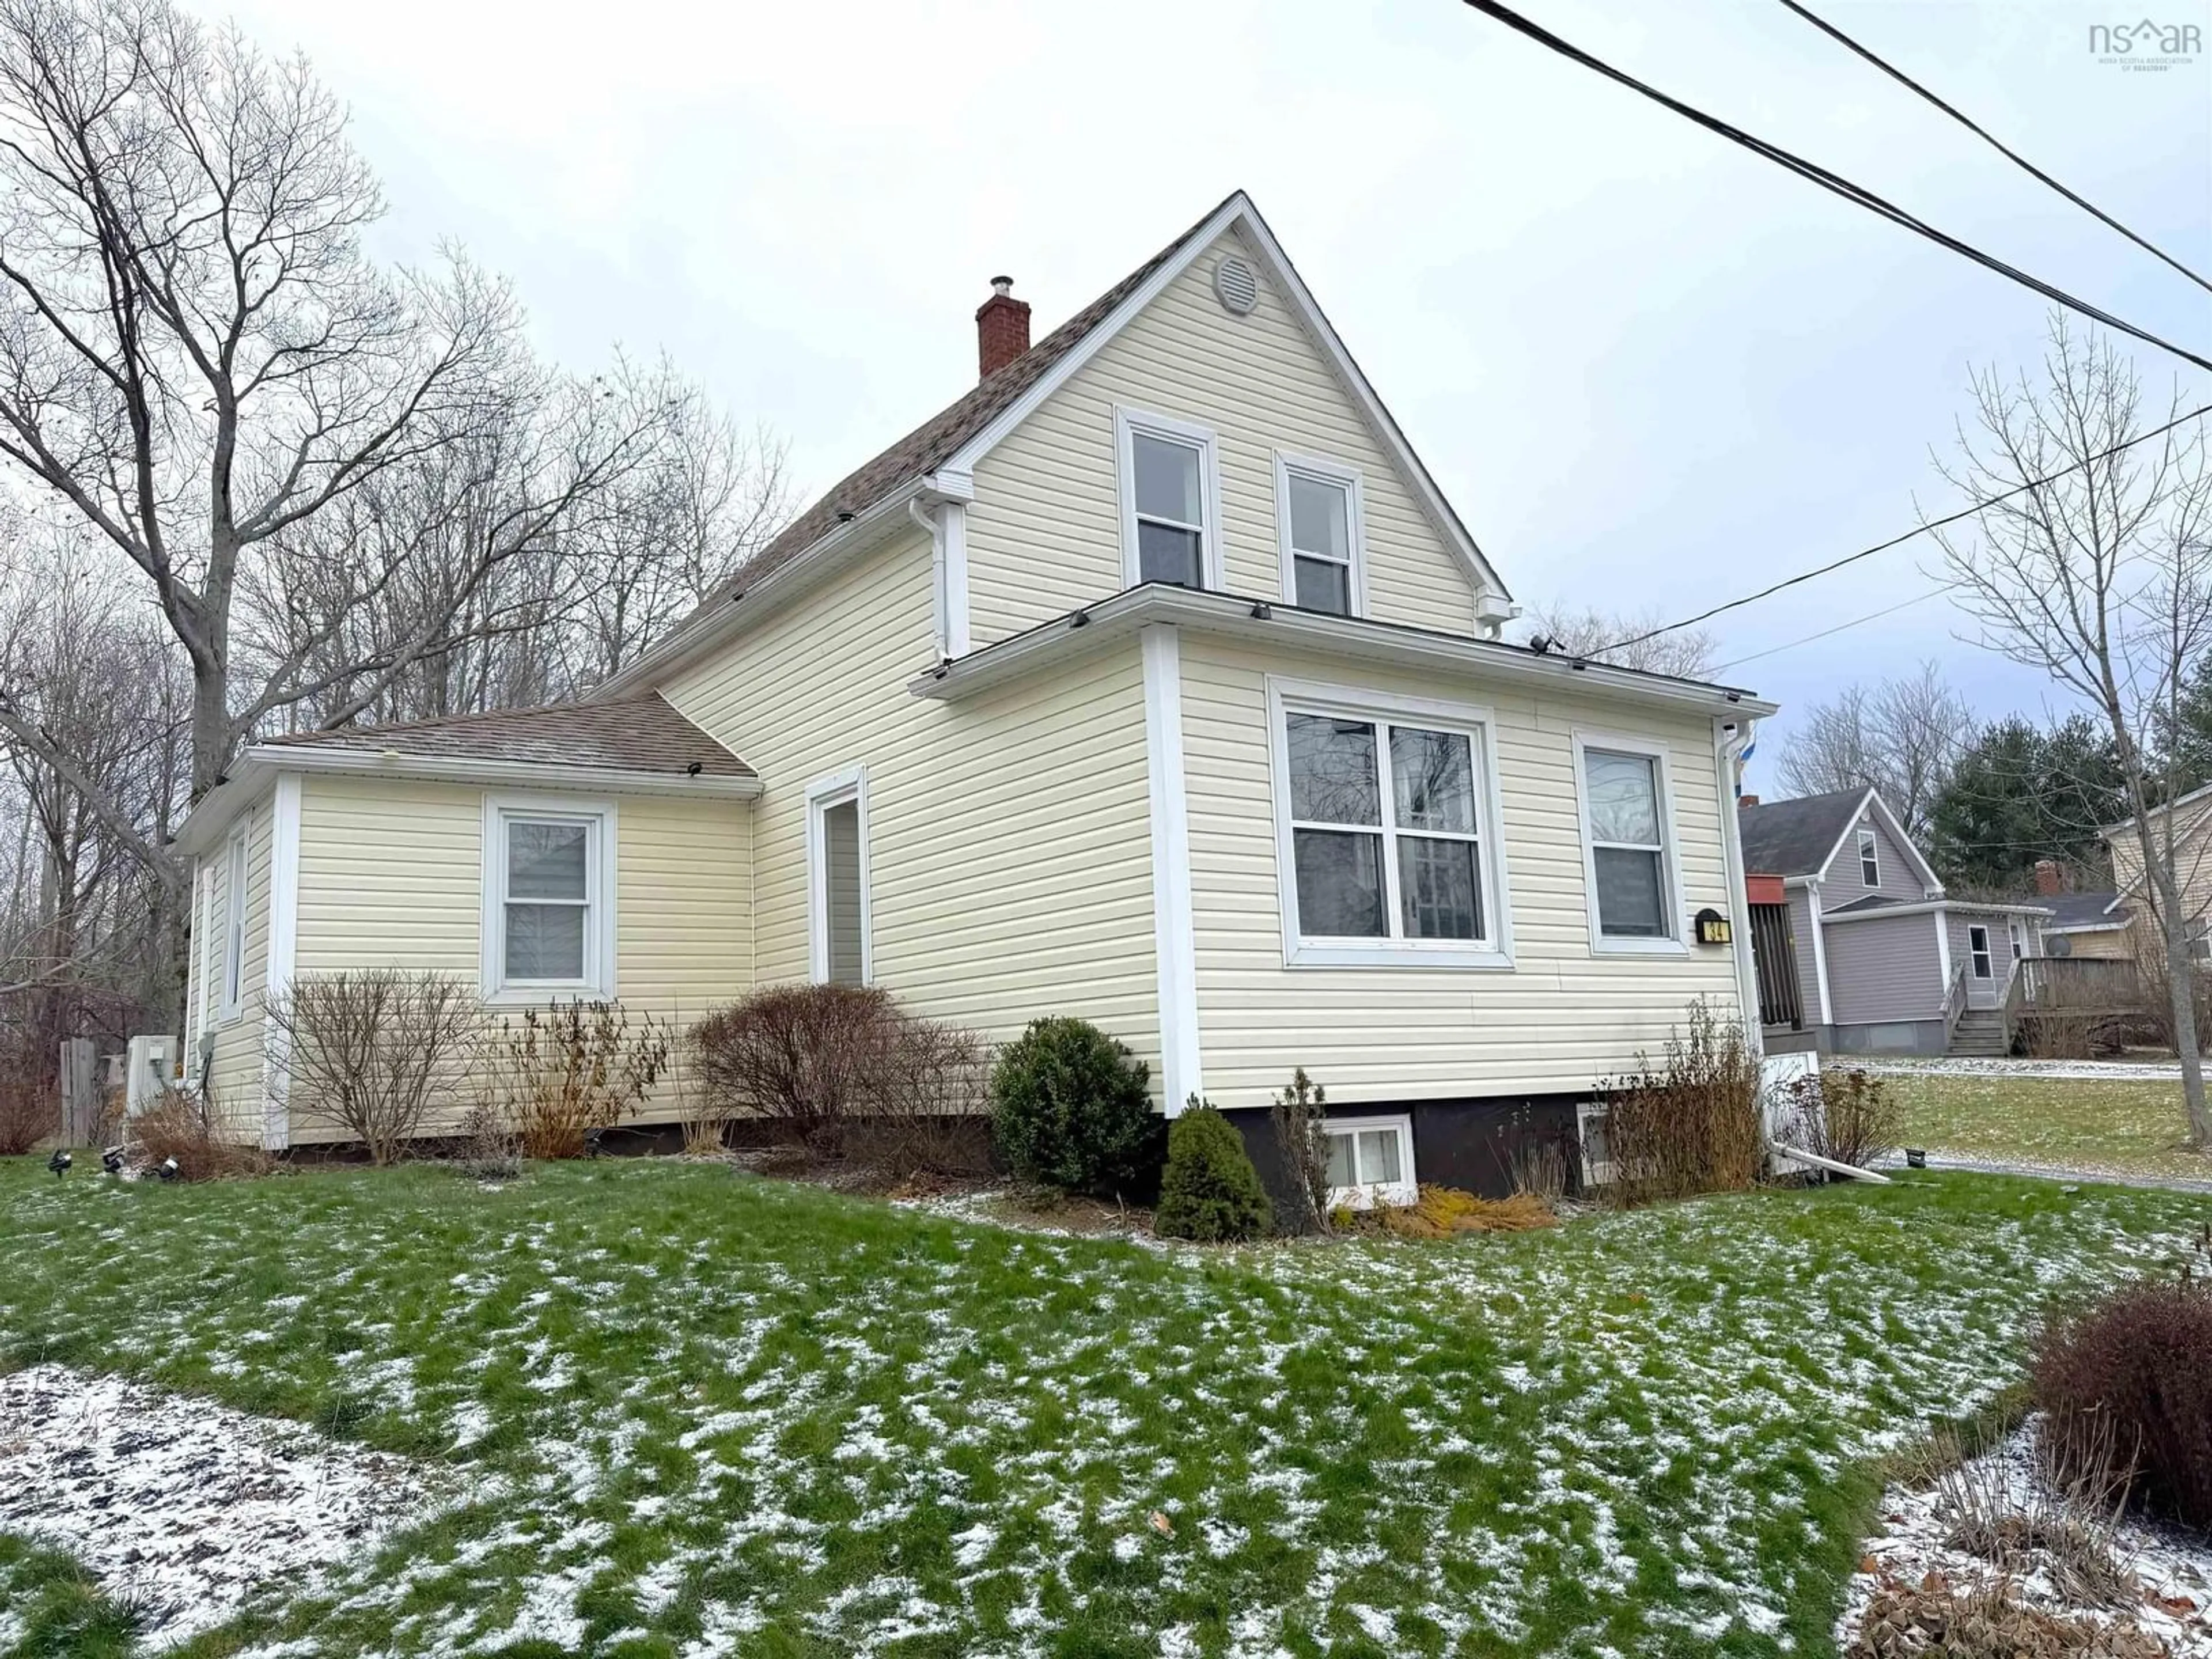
(1126, 424)
(283, 955)
(1943, 951)
(1479, 725)
(1347, 478)
(1174, 944)
(600, 920)
(1820, 948)
(1671, 903)
(849, 785)
(1726, 740)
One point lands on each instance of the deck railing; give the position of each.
(2082, 984)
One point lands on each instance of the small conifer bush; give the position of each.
(1210, 1192)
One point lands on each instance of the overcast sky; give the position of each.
(1649, 369)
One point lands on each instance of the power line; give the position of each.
(1966, 512)
(1996, 143)
(1831, 182)
(1872, 616)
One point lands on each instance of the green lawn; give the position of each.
(712, 1413)
(2135, 1128)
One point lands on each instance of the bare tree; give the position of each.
(1627, 640)
(1902, 737)
(2094, 563)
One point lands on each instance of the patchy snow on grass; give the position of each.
(2073, 1071)
(183, 1508)
(2164, 1573)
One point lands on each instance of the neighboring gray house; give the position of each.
(1882, 961)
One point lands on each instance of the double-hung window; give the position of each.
(1627, 844)
(1383, 819)
(233, 923)
(1317, 515)
(1978, 948)
(1170, 501)
(548, 899)
(1869, 859)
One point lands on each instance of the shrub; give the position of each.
(29, 1112)
(1690, 1122)
(560, 1075)
(1849, 1116)
(2127, 1385)
(367, 1049)
(1069, 1108)
(488, 1147)
(1446, 1212)
(1299, 1120)
(181, 1126)
(1209, 1191)
(926, 1099)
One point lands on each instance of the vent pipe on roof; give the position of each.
(1002, 328)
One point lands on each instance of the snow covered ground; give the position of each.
(2171, 1570)
(181, 1507)
(2075, 1071)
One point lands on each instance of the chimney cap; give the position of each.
(1002, 285)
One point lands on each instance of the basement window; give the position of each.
(1370, 1162)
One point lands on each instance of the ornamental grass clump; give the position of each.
(1209, 1192)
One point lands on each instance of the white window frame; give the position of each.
(597, 981)
(1366, 1196)
(1869, 858)
(2017, 930)
(1127, 423)
(1604, 1170)
(1286, 697)
(237, 868)
(1671, 904)
(848, 786)
(1347, 478)
(1981, 961)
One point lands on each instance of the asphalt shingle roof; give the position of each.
(1792, 837)
(2081, 909)
(631, 734)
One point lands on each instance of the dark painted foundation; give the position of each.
(1478, 1145)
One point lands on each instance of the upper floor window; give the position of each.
(1627, 844)
(548, 882)
(1869, 858)
(1170, 501)
(1319, 535)
(1384, 821)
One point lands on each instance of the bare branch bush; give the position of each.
(369, 1051)
(1299, 1119)
(561, 1076)
(1690, 1121)
(2092, 563)
(929, 1102)
(1845, 1114)
(180, 1127)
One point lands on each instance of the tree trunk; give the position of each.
(210, 723)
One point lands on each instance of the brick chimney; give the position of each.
(1002, 327)
(2050, 878)
(1746, 800)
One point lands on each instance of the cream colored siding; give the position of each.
(1009, 855)
(2104, 944)
(235, 1080)
(391, 875)
(1561, 1019)
(1044, 533)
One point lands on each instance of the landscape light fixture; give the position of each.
(59, 1163)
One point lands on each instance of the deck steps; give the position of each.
(1980, 1032)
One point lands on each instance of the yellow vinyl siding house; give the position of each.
(1153, 681)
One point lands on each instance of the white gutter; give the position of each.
(1123, 615)
(263, 764)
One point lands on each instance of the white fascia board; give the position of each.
(1050, 644)
(1239, 212)
(2087, 926)
(1926, 907)
(264, 764)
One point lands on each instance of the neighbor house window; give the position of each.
(1371, 1160)
(1869, 859)
(233, 923)
(1171, 498)
(2198, 933)
(1317, 515)
(1627, 843)
(838, 878)
(1978, 947)
(549, 884)
(1384, 813)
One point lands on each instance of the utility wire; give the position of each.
(1832, 182)
(1856, 622)
(1994, 143)
(1966, 512)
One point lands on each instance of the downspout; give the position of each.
(1729, 740)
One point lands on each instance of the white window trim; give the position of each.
(1977, 955)
(1367, 1194)
(1670, 880)
(237, 874)
(1598, 1174)
(1869, 853)
(599, 924)
(1126, 424)
(1285, 697)
(837, 789)
(1327, 471)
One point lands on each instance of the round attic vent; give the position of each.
(1234, 286)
